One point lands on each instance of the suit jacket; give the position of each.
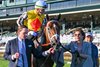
(12, 48)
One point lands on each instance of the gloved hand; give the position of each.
(32, 35)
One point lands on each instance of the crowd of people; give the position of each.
(19, 50)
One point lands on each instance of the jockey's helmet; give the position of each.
(41, 4)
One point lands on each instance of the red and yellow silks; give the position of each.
(36, 24)
(34, 21)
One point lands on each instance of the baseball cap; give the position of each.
(89, 34)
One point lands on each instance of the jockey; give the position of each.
(34, 19)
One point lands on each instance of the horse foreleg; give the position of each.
(33, 61)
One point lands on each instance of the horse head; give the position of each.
(52, 30)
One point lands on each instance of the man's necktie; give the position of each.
(24, 57)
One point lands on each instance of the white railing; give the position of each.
(6, 35)
(2, 49)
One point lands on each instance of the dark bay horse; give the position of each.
(50, 38)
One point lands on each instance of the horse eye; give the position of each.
(48, 28)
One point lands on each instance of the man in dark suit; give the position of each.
(18, 51)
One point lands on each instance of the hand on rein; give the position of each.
(51, 50)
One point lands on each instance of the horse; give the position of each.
(49, 38)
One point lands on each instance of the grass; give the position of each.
(4, 63)
(65, 65)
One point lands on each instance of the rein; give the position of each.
(51, 32)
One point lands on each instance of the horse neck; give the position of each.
(46, 35)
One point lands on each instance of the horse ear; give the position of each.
(47, 17)
(59, 16)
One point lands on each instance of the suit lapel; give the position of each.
(16, 45)
(26, 45)
(27, 52)
(17, 50)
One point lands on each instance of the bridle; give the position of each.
(54, 39)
